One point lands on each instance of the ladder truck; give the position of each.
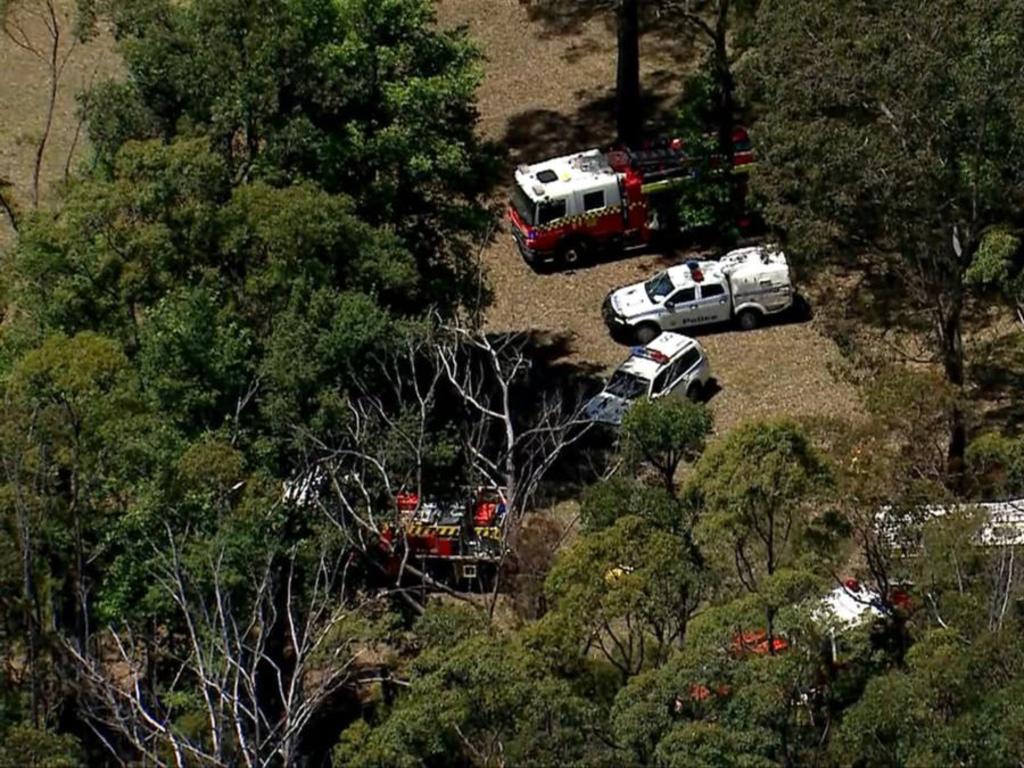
(568, 208)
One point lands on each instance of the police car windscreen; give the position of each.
(524, 205)
(659, 287)
(628, 386)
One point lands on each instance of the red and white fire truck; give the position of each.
(461, 539)
(567, 208)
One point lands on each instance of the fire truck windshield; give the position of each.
(524, 205)
(659, 287)
(628, 386)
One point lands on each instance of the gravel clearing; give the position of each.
(547, 91)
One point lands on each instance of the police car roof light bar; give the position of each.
(649, 354)
(695, 271)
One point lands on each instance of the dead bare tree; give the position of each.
(60, 35)
(516, 429)
(452, 380)
(1006, 583)
(354, 477)
(256, 699)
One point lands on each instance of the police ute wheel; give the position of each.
(696, 392)
(647, 333)
(748, 319)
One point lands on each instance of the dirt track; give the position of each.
(548, 89)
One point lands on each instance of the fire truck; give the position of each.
(567, 208)
(460, 540)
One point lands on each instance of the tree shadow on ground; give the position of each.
(870, 293)
(534, 135)
(997, 376)
(881, 297)
(555, 376)
(658, 25)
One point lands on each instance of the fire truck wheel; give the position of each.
(748, 319)
(647, 333)
(573, 254)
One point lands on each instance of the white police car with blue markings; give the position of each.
(745, 285)
(670, 365)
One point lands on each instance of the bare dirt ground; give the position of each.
(24, 96)
(548, 89)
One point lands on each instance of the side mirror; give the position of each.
(670, 305)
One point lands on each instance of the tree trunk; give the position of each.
(725, 106)
(7, 205)
(725, 110)
(55, 68)
(628, 113)
(953, 364)
(32, 612)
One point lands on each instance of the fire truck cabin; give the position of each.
(564, 206)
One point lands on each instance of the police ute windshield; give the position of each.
(524, 205)
(659, 287)
(628, 386)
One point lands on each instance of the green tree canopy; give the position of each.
(922, 171)
(664, 433)
(628, 590)
(368, 99)
(757, 490)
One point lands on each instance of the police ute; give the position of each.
(671, 364)
(744, 285)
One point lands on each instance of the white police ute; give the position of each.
(671, 364)
(744, 285)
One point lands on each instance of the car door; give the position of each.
(674, 373)
(680, 308)
(682, 372)
(660, 385)
(713, 304)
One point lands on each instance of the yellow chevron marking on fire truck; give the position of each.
(658, 186)
(449, 531)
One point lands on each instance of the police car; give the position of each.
(672, 364)
(745, 285)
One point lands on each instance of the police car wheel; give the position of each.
(748, 319)
(647, 333)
